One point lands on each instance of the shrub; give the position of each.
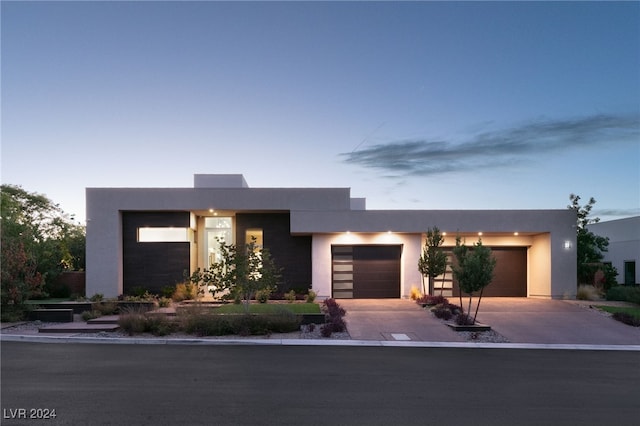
(97, 297)
(334, 321)
(13, 313)
(624, 294)
(89, 315)
(132, 322)
(431, 300)
(106, 308)
(262, 296)
(184, 291)
(415, 293)
(311, 296)
(164, 302)
(158, 325)
(464, 319)
(587, 292)
(290, 296)
(168, 291)
(443, 312)
(626, 318)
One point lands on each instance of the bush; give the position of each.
(164, 302)
(587, 292)
(334, 321)
(415, 293)
(97, 297)
(443, 312)
(626, 318)
(167, 291)
(203, 322)
(135, 322)
(184, 291)
(89, 315)
(290, 296)
(464, 319)
(106, 308)
(13, 313)
(431, 300)
(262, 296)
(624, 294)
(311, 296)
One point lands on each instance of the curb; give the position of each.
(310, 342)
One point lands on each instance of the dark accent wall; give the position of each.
(152, 265)
(292, 253)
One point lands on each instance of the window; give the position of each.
(164, 235)
(250, 234)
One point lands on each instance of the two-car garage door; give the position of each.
(373, 272)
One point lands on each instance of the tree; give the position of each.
(473, 271)
(39, 240)
(433, 261)
(241, 273)
(590, 247)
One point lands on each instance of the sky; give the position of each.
(413, 105)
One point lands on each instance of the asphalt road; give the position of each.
(103, 384)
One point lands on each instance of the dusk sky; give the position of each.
(416, 105)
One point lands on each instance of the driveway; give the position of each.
(520, 320)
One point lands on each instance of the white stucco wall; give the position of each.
(624, 243)
(321, 255)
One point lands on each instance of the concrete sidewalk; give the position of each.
(520, 320)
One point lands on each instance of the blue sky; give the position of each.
(417, 105)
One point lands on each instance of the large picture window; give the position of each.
(164, 235)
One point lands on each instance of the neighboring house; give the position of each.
(624, 246)
(321, 237)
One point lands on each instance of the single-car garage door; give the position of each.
(366, 271)
(510, 274)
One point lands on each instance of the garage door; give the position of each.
(366, 271)
(510, 274)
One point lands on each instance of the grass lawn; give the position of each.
(635, 311)
(270, 308)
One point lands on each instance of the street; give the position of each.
(104, 384)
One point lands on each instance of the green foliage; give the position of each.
(262, 296)
(587, 292)
(473, 269)
(433, 261)
(203, 322)
(590, 247)
(137, 321)
(185, 291)
(39, 241)
(270, 308)
(240, 273)
(290, 296)
(97, 297)
(311, 296)
(89, 315)
(164, 302)
(624, 294)
(108, 307)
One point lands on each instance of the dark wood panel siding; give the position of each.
(376, 271)
(292, 253)
(152, 265)
(510, 274)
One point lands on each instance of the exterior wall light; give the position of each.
(567, 245)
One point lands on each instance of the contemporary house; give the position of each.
(322, 238)
(624, 246)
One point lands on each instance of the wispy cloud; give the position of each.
(496, 148)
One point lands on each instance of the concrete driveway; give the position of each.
(520, 320)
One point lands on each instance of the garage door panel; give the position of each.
(510, 273)
(376, 271)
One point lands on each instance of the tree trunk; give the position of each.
(478, 306)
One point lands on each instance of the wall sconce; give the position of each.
(567, 245)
